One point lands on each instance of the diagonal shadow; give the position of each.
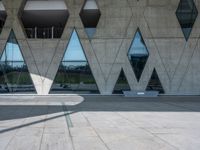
(35, 122)
(97, 104)
(102, 103)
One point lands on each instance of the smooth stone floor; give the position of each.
(99, 123)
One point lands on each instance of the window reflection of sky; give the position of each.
(138, 47)
(90, 32)
(74, 51)
(12, 53)
(12, 56)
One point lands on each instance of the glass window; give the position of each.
(154, 83)
(74, 74)
(122, 84)
(14, 75)
(186, 14)
(138, 54)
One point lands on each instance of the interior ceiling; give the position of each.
(45, 5)
(44, 18)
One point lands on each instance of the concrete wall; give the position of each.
(177, 62)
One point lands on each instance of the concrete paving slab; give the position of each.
(56, 142)
(99, 123)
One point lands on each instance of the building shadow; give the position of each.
(96, 104)
(103, 103)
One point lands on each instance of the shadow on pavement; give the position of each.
(101, 103)
(70, 105)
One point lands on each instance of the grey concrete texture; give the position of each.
(175, 60)
(99, 123)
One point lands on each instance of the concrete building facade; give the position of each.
(175, 58)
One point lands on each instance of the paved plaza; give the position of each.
(99, 123)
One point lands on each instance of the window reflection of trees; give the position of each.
(75, 76)
(14, 74)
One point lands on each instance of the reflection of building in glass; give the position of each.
(14, 75)
(74, 74)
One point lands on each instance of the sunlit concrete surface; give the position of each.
(99, 123)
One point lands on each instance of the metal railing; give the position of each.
(44, 33)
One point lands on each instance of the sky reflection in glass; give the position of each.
(74, 74)
(12, 50)
(14, 74)
(138, 54)
(138, 47)
(74, 51)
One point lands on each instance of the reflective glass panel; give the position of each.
(74, 74)
(121, 84)
(14, 75)
(138, 54)
(154, 83)
(90, 32)
(186, 14)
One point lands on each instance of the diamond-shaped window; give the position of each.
(44, 19)
(90, 15)
(3, 16)
(186, 14)
(14, 74)
(138, 54)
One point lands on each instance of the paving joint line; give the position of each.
(183, 107)
(69, 125)
(107, 147)
(132, 122)
(17, 131)
(43, 130)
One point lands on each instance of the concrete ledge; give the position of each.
(141, 93)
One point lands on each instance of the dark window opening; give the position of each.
(44, 24)
(121, 84)
(3, 16)
(155, 84)
(90, 15)
(186, 14)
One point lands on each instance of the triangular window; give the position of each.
(74, 74)
(154, 83)
(14, 74)
(121, 84)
